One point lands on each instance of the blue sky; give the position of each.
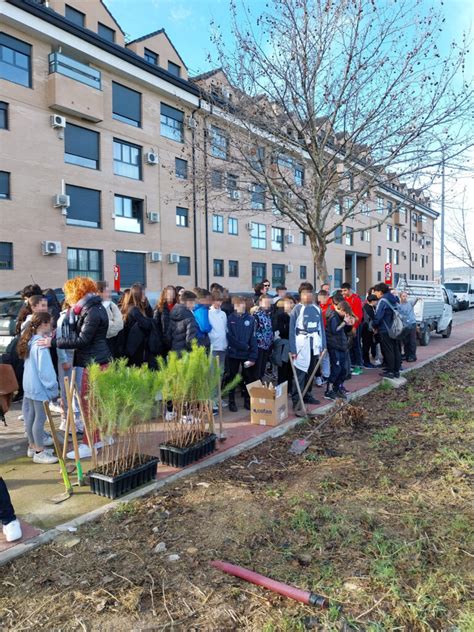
(187, 22)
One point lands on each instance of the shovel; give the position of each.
(300, 445)
(57, 446)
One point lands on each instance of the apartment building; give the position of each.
(102, 164)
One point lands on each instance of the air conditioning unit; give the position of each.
(249, 225)
(234, 194)
(289, 267)
(290, 239)
(153, 217)
(155, 256)
(57, 122)
(173, 258)
(151, 158)
(191, 122)
(51, 247)
(61, 200)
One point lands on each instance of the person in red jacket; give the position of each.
(356, 304)
(324, 302)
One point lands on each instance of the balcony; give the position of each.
(75, 88)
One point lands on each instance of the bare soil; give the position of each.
(374, 515)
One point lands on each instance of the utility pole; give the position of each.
(442, 214)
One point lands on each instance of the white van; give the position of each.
(464, 291)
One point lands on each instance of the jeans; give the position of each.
(409, 343)
(62, 374)
(356, 355)
(302, 377)
(338, 368)
(391, 353)
(35, 417)
(7, 513)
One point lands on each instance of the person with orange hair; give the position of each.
(84, 329)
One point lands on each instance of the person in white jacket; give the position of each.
(218, 333)
(40, 384)
(116, 323)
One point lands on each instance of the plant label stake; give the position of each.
(72, 424)
(57, 446)
(222, 436)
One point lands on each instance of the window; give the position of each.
(365, 209)
(379, 276)
(338, 235)
(127, 160)
(379, 228)
(218, 223)
(174, 69)
(132, 267)
(3, 115)
(351, 182)
(365, 235)
(84, 207)
(75, 16)
(76, 70)
(396, 234)
(106, 32)
(380, 204)
(233, 226)
(349, 236)
(232, 183)
(258, 197)
(422, 260)
(389, 232)
(4, 185)
(171, 123)
(389, 208)
(278, 274)
(379, 251)
(426, 259)
(278, 235)
(257, 159)
(396, 278)
(81, 146)
(151, 57)
(15, 60)
(218, 267)
(128, 214)
(216, 179)
(302, 238)
(259, 272)
(184, 266)
(233, 268)
(299, 175)
(126, 105)
(219, 143)
(396, 257)
(6, 255)
(84, 262)
(337, 277)
(182, 218)
(258, 236)
(414, 219)
(181, 168)
(389, 257)
(303, 273)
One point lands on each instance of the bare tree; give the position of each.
(459, 243)
(350, 93)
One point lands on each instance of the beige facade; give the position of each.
(82, 78)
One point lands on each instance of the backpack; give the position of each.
(397, 328)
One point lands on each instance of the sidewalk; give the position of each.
(32, 486)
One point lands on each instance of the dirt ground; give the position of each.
(375, 517)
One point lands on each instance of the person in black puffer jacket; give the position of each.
(339, 323)
(162, 314)
(183, 326)
(138, 327)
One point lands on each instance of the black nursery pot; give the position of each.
(181, 457)
(115, 486)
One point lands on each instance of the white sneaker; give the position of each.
(20, 418)
(84, 452)
(30, 453)
(44, 457)
(62, 426)
(12, 531)
(48, 440)
(170, 415)
(55, 408)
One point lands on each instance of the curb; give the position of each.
(22, 548)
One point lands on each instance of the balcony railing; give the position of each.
(75, 70)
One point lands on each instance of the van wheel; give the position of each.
(425, 338)
(447, 332)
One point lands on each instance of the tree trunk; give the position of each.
(319, 257)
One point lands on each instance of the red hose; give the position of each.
(278, 587)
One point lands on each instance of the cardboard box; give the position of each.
(268, 407)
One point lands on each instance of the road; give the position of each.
(466, 316)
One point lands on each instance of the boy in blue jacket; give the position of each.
(201, 314)
(242, 348)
